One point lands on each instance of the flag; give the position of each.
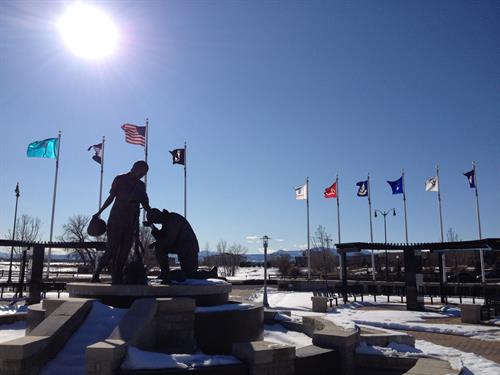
(178, 156)
(134, 134)
(432, 184)
(98, 152)
(363, 188)
(301, 192)
(43, 149)
(331, 191)
(471, 177)
(397, 186)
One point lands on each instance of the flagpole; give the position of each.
(53, 203)
(146, 160)
(443, 258)
(371, 226)
(308, 237)
(404, 203)
(481, 257)
(185, 180)
(338, 223)
(102, 173)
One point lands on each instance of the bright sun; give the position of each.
(88, 32)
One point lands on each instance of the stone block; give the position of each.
(320, 361)
(60, 325)
(425, 366)
(381, 337)
(137, 327)
(325, 334)
(262, 352)
(319, 304)
(50, 305)
(175, 305)
(266, 358)
(471, 313)
(384, 364)
(35, 315)
(105, 357)
(22, 355)
(175, 325)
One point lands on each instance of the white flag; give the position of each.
(432, 184)
(301, 192)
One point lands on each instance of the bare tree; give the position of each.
(228, 258)
(284, 264)
(75, 230)
(27, 229)
(322, 258)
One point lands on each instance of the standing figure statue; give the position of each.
(176, 237)
(127, 192)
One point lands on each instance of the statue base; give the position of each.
(209, 292)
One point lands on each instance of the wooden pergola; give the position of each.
(413, 261)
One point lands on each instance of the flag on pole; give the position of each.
(331, 191)
(301, 192)
(134, 134)
(471, 177)
(397, 186)
(98, 152)
(43, 149)
(432, 184)
(362, 188)
(178, 156)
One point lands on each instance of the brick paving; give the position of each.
(487, 349)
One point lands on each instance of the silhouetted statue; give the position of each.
(176, 237)
(127, 192)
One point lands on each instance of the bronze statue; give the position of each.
(127, 192)
(176, 237)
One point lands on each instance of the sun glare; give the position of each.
(88, 32)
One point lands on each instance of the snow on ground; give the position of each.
(12, 331)
(472, 363)
(137, 359)
(251, 273)
(278, 334)
(97, 326)
(300, 304)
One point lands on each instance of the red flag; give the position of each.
(331, 192)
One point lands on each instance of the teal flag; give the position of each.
(43, 149)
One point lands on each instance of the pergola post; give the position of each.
(344, 276)
(36, 274)
(413, 280)
(442, 286)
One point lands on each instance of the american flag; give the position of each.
(135, 134)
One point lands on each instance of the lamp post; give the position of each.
(9, 278)
(265, 241)
(384, 214)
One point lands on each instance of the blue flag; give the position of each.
(363, 188)
(43, 149)
(471, 177)
(397, 186)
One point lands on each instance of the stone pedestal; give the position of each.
(319, 304)
(471, 313)
(266, 358)
(105, 357)
(175, 325)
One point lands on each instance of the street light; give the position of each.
(9, 278)
(265, 241)
(385, 213)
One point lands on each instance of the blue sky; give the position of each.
(264, 93)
